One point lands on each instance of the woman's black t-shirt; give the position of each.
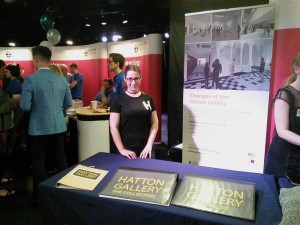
(135, 119)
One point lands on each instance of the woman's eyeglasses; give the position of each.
(136, 79)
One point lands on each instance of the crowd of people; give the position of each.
(35, 108)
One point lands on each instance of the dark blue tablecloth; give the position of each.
(71, 207)
(284, 182)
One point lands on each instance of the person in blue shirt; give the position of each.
(45, 95)
(116, 62)
(14, 87)
(76, 82)
(106, 92)
(14, 90)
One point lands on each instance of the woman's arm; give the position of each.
(114, 123)
(281, 115)
(153, 131)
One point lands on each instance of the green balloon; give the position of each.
(53, 36)
(47, 21)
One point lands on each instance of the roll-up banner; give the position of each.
(227, 63)
(92, 63)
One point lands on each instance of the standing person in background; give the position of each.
(13, 73)
(262, 68)
(14, 89)
(64, 70)
(206, 74)
(7, 105)
(238, 31)
(116, 62)
(231, 69)
(45, 94)
(217, 69)
(106, 92)
(133, 118)
(287, 123)
(76, 82)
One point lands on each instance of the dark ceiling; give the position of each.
(20, 20)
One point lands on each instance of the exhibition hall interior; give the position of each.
(178, 126)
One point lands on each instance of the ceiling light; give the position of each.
(104, 39)
(103, 21)
(69, 42)
(87, 22)
(12, 44)
(124, 19)
(116, 37)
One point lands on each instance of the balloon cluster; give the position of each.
(53, 35)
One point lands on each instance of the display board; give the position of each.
(225, 104)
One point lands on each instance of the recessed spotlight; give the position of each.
(116, 37)
(104, 39)
(103, 21)
(124, 21)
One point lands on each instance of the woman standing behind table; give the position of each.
(287, 122)
(133, 118)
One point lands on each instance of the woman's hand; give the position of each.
(129, 154)
(147, 151)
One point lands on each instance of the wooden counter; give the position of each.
(87, 111)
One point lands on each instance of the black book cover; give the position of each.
(226, 197)
(148, 186)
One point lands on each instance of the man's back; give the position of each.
(46, 94)
(77, 91)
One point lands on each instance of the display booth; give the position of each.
(146, 52)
